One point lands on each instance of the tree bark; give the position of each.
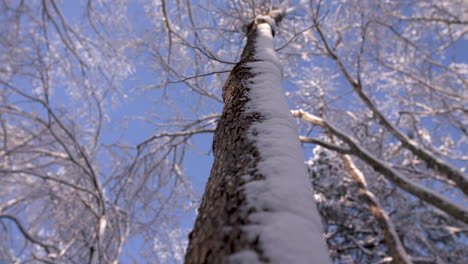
(223, 229)
(217, 232)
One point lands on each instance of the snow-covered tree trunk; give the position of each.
(258, 206)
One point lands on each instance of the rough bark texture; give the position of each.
(218, 229)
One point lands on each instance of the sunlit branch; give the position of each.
(431, 160)
(453, 96)
(324, 144)
(392, 240)
(87, 168)
(394, 176)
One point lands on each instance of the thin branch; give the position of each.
(294, 37)
(198, 76)
(392, 241)
(175, 134)
(26, 234)
(403, 182)
(420, 191)
(431, 160)
(324, 144)
(208, 54)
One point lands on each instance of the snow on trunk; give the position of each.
(288, 224)
(258, 205)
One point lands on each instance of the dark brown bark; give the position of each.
(218, 230)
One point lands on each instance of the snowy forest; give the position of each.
(108, 110)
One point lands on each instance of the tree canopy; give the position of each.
(103, 105)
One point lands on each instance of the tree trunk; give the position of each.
(258, 206)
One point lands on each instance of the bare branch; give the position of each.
(394, 176)
(175, 134)
(431, 160)
(26, 234)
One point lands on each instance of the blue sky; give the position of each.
(199, 157)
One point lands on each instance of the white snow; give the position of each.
(268, 19)
(244, 257)
(290, 231)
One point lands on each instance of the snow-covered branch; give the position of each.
(393, 175)
(432, 161)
